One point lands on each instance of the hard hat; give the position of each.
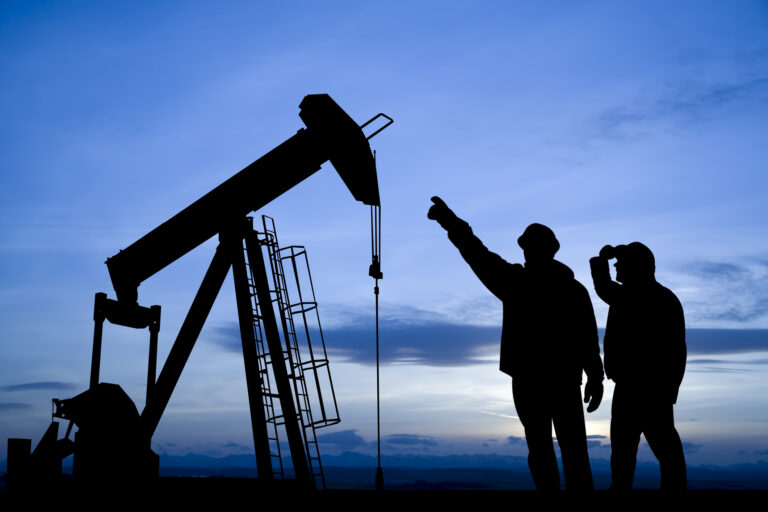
(539, 238)
(636, 255)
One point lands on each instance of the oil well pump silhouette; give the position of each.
(290, 392)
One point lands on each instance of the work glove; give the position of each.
(608, 252)
(442, 214)
(593, 394)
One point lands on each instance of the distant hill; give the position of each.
(352, 470)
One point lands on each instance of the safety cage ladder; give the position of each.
(309, 369)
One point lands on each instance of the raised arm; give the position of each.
(492, 270)
(601, 277)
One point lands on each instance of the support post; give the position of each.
(99, 314)
(250, 358)
(154, 329)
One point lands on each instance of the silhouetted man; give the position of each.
(549, 337)
(645, 356)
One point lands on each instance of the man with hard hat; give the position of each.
(549, 337)
(645, 356)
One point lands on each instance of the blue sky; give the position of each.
(607, 121)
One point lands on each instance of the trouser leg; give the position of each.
(572, 438)
(625, 438)
(665, 443)
(532, 410)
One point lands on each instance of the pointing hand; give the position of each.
(440, 212)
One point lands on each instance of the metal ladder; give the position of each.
(273, 419)
(306, 364)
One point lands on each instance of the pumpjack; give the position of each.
(113, 439)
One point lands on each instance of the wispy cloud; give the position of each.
(14, 406)
(715, 369)
(414, 336)
(345, 439)
(726, 341)
(411, 439)
(500, 415)
(691, 447)
(726, 361)
(46, 385)
(728, 292)
(424, 339)
(237, 447)
(681, 102)
(725, 365)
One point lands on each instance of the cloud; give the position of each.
(717, 365)
(596, 441)
(500, 415)
(345, 439)
(682, 102)
(726, 341)
(414, 336)
(691, 447)
(47, 385)
(424, 338)
(434, 344)
(713, 369)
(516, 441)
(454, 345)
(238, 447)
(726, 361)
(730, 292)
(410, 439)
(14, 406)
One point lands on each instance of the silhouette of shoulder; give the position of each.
(496, 273)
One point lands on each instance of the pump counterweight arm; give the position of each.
(330, 135)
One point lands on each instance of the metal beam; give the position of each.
(98, 326)
(250, 358)
(185, 341)
(219, 210)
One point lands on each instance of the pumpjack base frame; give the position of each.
(229, 254)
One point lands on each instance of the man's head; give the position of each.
(634, 263)
(538, 243)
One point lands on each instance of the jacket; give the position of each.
(644, 341)
(549, 329)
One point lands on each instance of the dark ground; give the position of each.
(405, 488)
(196, 493)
